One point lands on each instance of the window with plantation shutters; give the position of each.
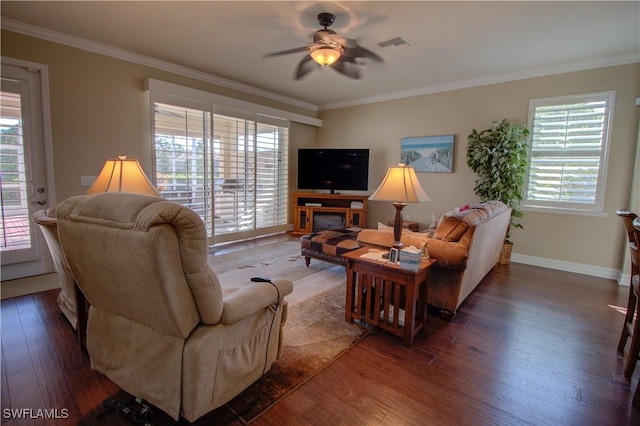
(231, 168)
(568, 151)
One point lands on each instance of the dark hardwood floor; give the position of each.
(530, 346)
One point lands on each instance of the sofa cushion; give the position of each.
(451, 229)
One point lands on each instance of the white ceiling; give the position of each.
(452, 44)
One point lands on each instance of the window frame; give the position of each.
(597, 206)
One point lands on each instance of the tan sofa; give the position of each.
(467, 245)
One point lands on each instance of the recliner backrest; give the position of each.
(142, 258)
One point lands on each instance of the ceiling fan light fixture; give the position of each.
(326, 55)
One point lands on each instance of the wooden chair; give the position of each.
(636, 225)
(630, 328)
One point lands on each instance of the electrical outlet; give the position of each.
(87, 180)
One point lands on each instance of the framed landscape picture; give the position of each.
(433, 154)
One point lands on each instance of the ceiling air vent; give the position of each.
(395, 42)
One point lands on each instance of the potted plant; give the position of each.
(498, 156)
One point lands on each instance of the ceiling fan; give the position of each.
(329, 49)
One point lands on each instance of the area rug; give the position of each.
(315, 333)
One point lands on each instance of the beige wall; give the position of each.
(99, 110)
(587, 240)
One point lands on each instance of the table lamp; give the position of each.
(400, 186)
(122, 174)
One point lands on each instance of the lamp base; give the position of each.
(397, 225)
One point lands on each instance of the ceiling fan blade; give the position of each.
(286, 52)
(354, 50)
(347, 67)
(306, 65)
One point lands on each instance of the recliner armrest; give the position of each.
(252, 298)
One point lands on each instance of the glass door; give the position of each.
(22, 173)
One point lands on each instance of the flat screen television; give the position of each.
(336, 169)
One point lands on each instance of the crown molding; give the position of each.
(483, 81)
(125, 55)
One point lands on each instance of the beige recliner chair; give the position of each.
(160, 325)
(46, 221)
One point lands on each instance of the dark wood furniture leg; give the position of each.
(82, 307)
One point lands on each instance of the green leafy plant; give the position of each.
(498, 156)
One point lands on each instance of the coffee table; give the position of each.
(329, 245)
(377, 289)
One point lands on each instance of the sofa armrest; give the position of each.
(252, 298)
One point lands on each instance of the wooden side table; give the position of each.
(411, 226)
(381, 293)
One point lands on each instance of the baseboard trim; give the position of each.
(578, 268)
(29, 285)
(625, 280)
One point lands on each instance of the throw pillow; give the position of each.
(436, 218)
(451, 229)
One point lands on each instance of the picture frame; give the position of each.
(428, 154)
(393, 255)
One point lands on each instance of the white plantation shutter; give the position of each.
(15, 232)
(568, 151)
(272, 175)
(234, 140)
(250, 174)
(232, 170)
(182, 158)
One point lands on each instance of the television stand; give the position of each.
(340, 206)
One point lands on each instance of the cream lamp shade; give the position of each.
(400, 186)
(122, 174)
